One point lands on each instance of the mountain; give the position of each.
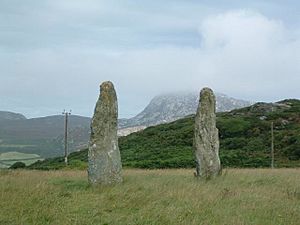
(42, 136)
(245, 140)
(45, 135)
(169, 107)
(10, 116)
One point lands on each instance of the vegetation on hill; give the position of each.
(9, 158)
(17, 165)
(240, 196)
(245, 141)
(42, 136)
(10, 116)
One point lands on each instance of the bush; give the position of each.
(18, 165)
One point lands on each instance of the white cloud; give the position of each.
(241, 53)
(252, 55)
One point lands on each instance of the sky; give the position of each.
(55, 53)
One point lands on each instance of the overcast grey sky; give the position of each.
(55, 53)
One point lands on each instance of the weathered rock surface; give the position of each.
(104, 160)
(129, 130)
(206, 138)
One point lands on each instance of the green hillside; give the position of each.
(9, 158)
(244, 140)
(42, 136)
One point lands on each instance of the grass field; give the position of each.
(15, 146)
(239, 196)
(9, 158)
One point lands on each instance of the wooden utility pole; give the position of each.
(66, 114)
(272, 145)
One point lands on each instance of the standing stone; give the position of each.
(104, 160)
(206, 139)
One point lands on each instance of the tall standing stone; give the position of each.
(104, 160)
(206, 139)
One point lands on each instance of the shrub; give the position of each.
(18, 165)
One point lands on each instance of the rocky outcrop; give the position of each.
(104, 160)
(129, 130)
(206, 139)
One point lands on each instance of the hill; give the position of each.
(9, 116)
(9, 158)
(244, 140)
(42, 136)
(173, 106)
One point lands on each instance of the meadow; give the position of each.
(170, 196)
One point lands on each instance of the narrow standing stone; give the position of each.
(206, 137)
(104, 160)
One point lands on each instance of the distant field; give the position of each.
(15, 146)
(9, 158)
(239, 196)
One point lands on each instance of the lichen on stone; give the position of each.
(104, 159)
(206, 137)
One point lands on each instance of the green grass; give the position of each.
(9, 158)
(239, 197)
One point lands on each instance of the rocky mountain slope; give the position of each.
(170, 107)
